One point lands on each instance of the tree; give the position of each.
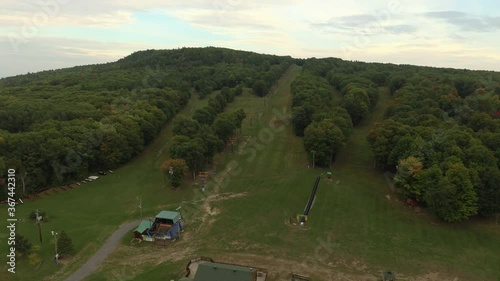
(325, 138)
(408, 171)
(211, 143)
(64, 245)
(488, 190)
(191, 150)
(23, 245)
(259, 88)
(185, 126)
(357, 104)
(396, 82)
(301, 118)
(429, 178)
(383, 139)
(224, 126)
(454, 198)
(238, 117)
(175, 170)
(204, 116)
(465, 85)
(406, 146)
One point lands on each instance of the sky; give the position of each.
(40, 35)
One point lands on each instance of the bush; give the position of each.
(64, 245)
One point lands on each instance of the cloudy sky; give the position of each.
(48, 34)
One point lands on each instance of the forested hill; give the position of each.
(58, 126)
(440, 136)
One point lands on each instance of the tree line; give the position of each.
(58, 126)
(197, 139)
(441, 136)
(324, 120)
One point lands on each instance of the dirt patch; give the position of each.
(278, 124)
(434, 277)
(209, 213)
(212, 211)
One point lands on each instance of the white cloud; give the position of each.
(102, 20)
(399, 31)
(54, 53)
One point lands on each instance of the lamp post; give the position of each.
(313, 153)
(181, 220)
(140, 205)
(56, 259)
(38, 220)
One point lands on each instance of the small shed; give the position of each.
(166, 226)
(142, 229)
(168, 217)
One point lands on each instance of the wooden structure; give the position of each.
(167, 225)
(298, 277)
(205, 269)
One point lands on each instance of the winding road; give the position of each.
(93, 263)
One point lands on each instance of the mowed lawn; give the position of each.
(365, 227)
(353, 228)
(90, 213)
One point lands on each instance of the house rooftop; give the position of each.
(223, 272)
(169, 215)
(143, 226)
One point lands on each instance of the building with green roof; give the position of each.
(167, 225)
(204, 269)
(211, 271)
(143, 226)
(169, 216)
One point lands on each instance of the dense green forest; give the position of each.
(440, 137)
(58, 126)
(441, 134)
(323, 119)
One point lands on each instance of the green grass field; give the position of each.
(91, 212)
(356, 228)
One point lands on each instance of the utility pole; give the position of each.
(38, 219)
(56, 259)
(313, 153)
(140, 205)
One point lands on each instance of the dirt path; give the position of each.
(137, 257)
(95, 261)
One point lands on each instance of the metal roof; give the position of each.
(223, 272)
(169, 215)
(143, 226)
